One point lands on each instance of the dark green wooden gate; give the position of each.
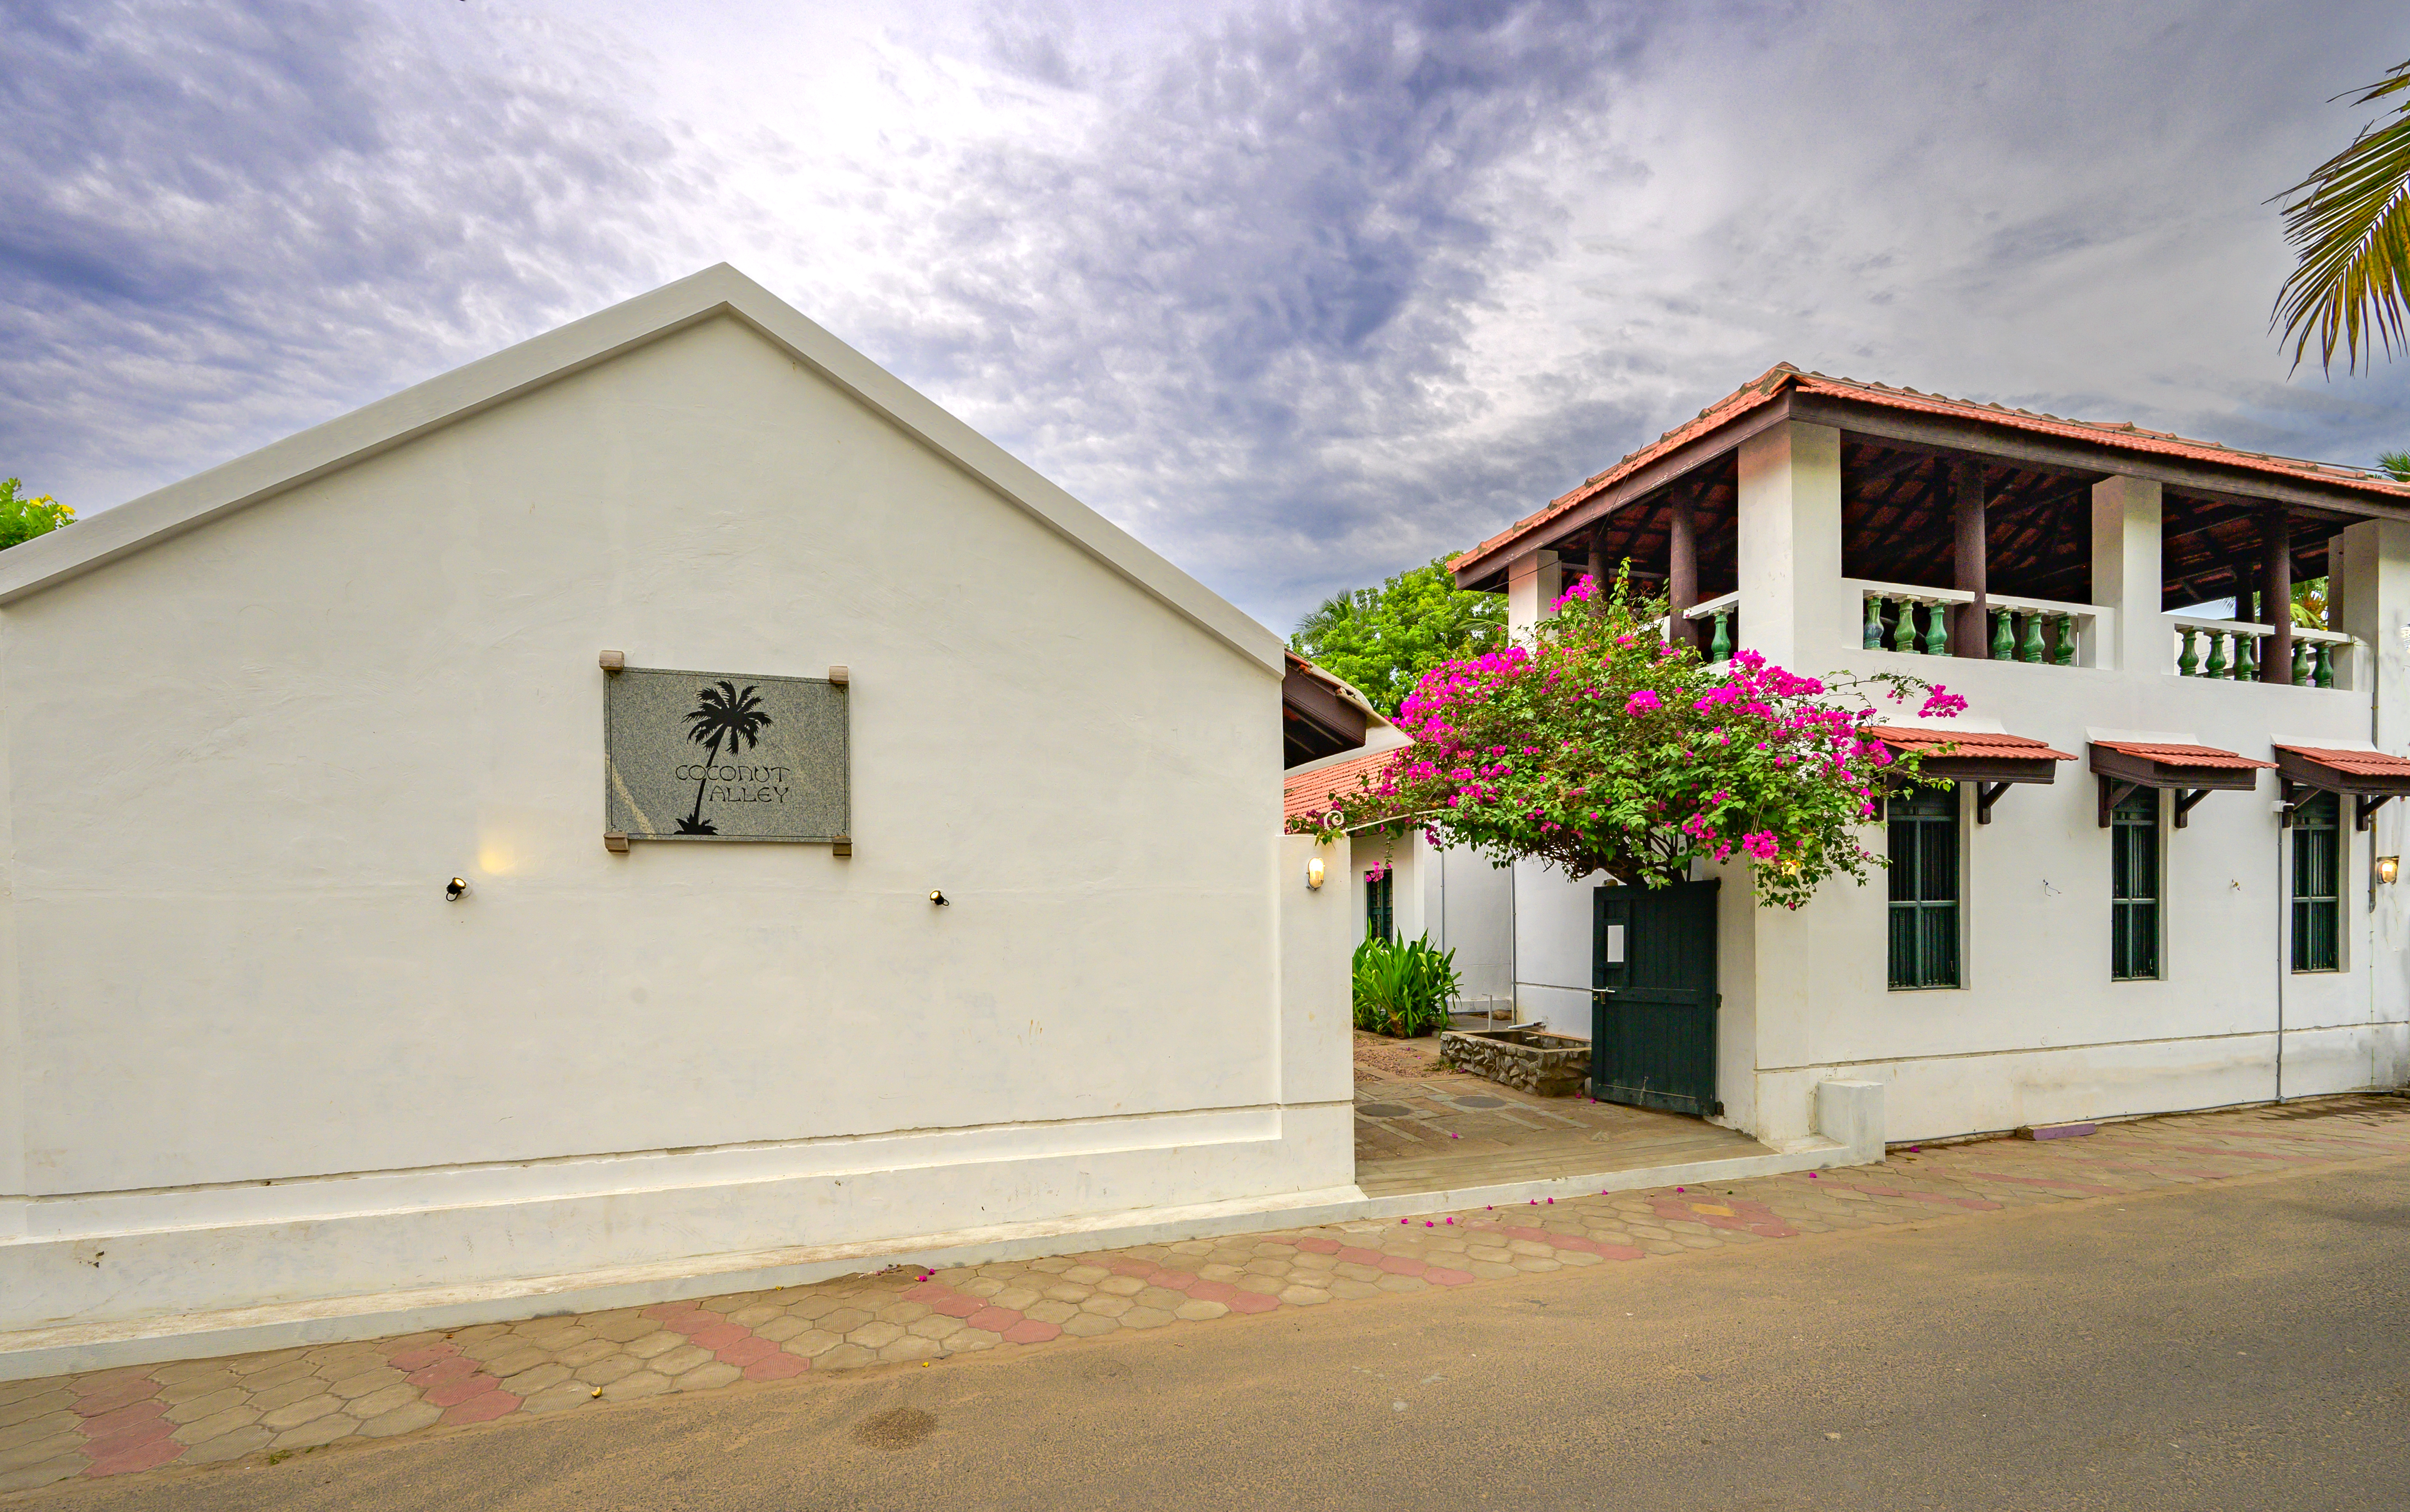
(1653, 1001)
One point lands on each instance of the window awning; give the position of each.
(1991, 761)
(2194, 772)
(2369, 777)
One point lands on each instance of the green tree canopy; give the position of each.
(22, 519)
(2349, 221)
(1384, 639)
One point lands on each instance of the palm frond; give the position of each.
(2350, 223)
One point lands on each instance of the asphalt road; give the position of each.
(2241, 1346)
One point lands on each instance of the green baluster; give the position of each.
(1903, 630)
(2247, 658)
(2300, 663)
(2188, 665)
(1937, 630)
(2029, 645)
(2004, 639)
(2216, 667)
(1874, 623)
(2063, 653)
(2326, 666)
(1721, 647)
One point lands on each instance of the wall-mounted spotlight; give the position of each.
(937, 897)
(455, 890)
(2388, 868)
(1313, 875)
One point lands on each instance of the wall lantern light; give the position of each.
(455, 890)
(2388, 868)
(1313, 875)
(937, 897)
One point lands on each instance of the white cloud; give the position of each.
(1302, 292)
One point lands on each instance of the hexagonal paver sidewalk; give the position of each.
(307, 1400)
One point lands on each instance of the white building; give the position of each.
(1403, 887)
(252, 1055)
(2152, 930)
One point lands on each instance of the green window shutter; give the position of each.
(1379, 919)
(2318, 884)
(1924, 924)
(2134, 887)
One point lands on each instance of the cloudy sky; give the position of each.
(1300, 293)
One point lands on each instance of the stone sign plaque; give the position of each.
(712, 756)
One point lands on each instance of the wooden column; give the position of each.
(1597, 574)
(1974, 628)
(1682, 567)
(2276, 594)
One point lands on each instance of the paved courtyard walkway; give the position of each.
(179, 1418)
(1421, 1127)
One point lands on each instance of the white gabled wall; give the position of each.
(241, 763)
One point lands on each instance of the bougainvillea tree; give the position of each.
(1601, 747)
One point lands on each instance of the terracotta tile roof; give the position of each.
(1307, 793)
(1966, 743)
(2207, 758)
(1783, 377)
(2354, 762)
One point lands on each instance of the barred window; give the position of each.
(1380, 920)
(2134, 887)
(1923, 888)
(2318, 884)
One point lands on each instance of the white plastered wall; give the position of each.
(249, 1051)
(2038, 1033)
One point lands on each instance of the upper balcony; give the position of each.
(1829, 524)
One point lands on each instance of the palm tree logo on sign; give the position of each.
(721, 715)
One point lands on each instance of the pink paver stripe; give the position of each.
(481, 1409)
(747, 1350)
(148, 1456)
(993, 1319)
(955, 1305)
(449, 1368)
(2087, 1188)
(1442, 1276)
(1030, 1330)
(1972, 1204)
(119, 1394)
(776, 1366)
(136, 1415)
(719, 1335)
(1251, 1302)
(1174, 1280)
(2248, 1155)
(468, 1388)
(420, 1358)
